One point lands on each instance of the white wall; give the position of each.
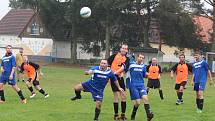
(61, 49)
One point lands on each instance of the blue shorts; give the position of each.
(137, 92)
(97, 95)
(5, 79)
(199, 86)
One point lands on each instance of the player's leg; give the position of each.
(37, 86)
(123, 99)
(2, 100)
(157, 85)
(149, 114)
(199, 88)
(78, 88)
(97, 110)
(30, 88)
(149, 85)
(135, 108)
(177, 87)
(19, 92)
(116, 95)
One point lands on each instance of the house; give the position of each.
(24, 28)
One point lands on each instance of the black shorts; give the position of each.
(153, 83)
(177, 86)
(121, 84)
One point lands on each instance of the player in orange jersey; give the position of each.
(182, 70)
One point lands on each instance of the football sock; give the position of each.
(161, 94)
(147, 109)
(42, 91)
(116, 106)
(31, 89)
(78, 93)
(97, 112)
(2, 95)
(201, 103)
(134, 111)
(123, 106)
(21, 95)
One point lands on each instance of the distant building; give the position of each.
(24, 28)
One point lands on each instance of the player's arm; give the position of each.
(160, 71)
(21, 68)
(13, 67)
(173, 70)
(2, 64)
(89, 72)
(192, 80)
(114, 79)
(210, 77)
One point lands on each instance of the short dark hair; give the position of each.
(197, 52)
(9, 46)
(140, 54)
(182, 55)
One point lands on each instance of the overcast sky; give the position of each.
(5, 3)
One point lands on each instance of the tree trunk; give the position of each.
(107, 35)
(147, 26)
(73, 45)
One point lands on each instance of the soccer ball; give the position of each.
(85, 12)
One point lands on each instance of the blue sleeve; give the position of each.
(144, 71)
(13, 59)
(112, 77)
(206, 66)
(2, 64)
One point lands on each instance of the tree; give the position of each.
(177, 27)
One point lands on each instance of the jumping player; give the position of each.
(100, 76)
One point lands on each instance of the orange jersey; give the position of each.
(182, 72)
(154, 71)
(31, 69)
(117, 62)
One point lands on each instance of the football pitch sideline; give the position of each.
(59, 83)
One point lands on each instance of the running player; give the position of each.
(200, 72)
(100, 76)
(33, 71)
(115, 61)
(154, 71)
(135, 84)
(182, 70)
(8, 67)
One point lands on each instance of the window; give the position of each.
(35, 29)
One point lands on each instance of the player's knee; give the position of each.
(98, 104)
(36, 83)
(145, 99)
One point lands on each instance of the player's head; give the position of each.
(197, 55)
(140, 58)
(103, 64)
(124, 49)
(182, 58)
(25, 58)
(8, 49)
(154, 61)
(21, 50)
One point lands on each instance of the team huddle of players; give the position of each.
(20, 64)
(117, 65)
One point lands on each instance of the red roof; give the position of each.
(15, 21)
(204, 27)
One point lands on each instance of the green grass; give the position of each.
(59, 83)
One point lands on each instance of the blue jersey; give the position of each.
(200, 70)
(136, 74)
(100, 78)
(8, 62)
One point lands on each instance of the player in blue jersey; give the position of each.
(200, 72)
(135, 83)
(96, 85)
(8, 67)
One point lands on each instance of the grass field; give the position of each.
(59, 82)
